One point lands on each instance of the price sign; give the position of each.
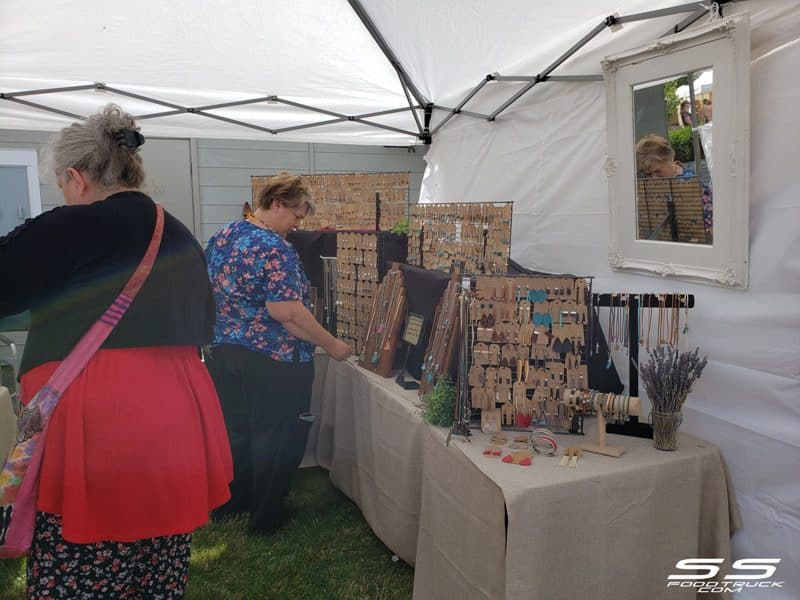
(413, 329)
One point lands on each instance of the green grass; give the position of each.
(326, 551)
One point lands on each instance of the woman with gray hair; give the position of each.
(136, 450)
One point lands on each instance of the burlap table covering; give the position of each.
(610, 528)
(370, 439)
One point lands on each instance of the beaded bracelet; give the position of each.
(546, 437)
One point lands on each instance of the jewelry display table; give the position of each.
(609, 528)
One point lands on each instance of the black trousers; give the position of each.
(262, 399)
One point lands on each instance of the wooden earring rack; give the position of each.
(443, 339)
(382, 331)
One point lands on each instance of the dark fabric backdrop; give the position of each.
(424, 289)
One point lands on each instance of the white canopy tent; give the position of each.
(545, 151)
(245, 69)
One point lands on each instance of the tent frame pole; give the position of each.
(387, 51)
(424, 132)
(697, 9)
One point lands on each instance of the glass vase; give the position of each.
(665, 430)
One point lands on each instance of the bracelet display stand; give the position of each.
(601, 447)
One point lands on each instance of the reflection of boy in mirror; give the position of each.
(656, 158)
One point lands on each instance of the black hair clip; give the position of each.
(129, 138)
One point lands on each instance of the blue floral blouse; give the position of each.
(249, 267)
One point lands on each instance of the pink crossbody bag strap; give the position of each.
(91, 341)
(20, 474)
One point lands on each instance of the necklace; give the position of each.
(252, 217)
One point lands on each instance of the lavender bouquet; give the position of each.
(669, 376)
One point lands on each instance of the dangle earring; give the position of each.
(686, 314)
(626, 321)
(610, 330)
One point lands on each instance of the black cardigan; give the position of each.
(68, 264)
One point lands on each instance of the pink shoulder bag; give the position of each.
(19, 479)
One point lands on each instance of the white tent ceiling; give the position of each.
(316, 53)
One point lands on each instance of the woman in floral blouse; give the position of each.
(261, 359)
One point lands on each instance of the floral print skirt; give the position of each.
(148, 569)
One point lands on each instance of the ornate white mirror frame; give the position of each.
(724, 46)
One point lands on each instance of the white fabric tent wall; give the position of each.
(547, 155)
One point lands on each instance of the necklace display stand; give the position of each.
(635, 302)
(442, 343)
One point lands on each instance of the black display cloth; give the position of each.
(424, 290)
(311, 245)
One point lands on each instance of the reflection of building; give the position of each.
(671, 209)
(703, 88)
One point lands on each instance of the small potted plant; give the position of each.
(440, 404)
(668, 378)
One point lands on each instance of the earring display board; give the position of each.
(356, 282)
(477, 235)
(443, 340)
(362, 260)
(526, 347)
(671, 209)
(354, 201)
(382, 330)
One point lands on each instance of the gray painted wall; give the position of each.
(225, 167)
(221, 170)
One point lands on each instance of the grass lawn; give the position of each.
(326, 551)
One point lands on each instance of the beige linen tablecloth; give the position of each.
(608, 529)
(321, 361)
(370, 439)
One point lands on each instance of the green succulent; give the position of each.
(440, 404)
(401, 228)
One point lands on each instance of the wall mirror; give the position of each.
(678, 137)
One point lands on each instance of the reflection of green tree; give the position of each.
(671, 100)
(681, 142)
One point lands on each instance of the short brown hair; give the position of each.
(290, 189)
(652, 149)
